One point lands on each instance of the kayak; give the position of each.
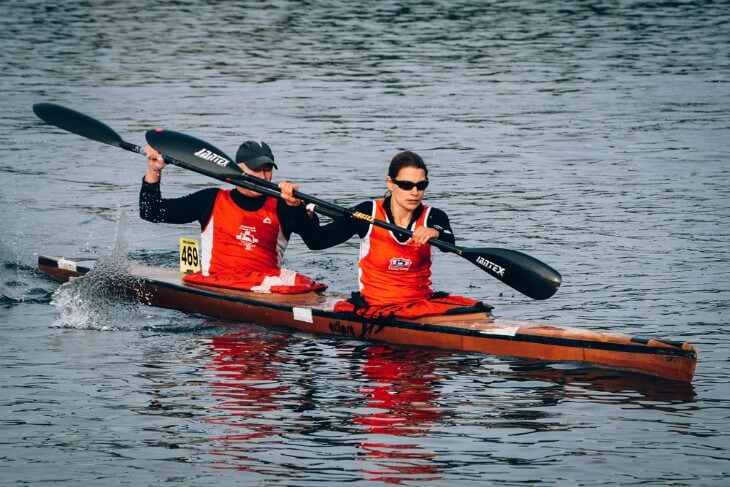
(471, 332)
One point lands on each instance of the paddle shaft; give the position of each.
(331, 209)
(243, 184)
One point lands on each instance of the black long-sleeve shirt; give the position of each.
(342, 229)
(198, 206)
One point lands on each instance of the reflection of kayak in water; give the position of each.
(472, 332)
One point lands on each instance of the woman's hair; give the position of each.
(405, 159)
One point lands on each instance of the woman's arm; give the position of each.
(438, 220)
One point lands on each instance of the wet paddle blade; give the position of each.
(194, 152)
(77, 123)
(521, 272)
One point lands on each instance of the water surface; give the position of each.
(592, 135)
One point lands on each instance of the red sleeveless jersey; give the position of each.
(235, 240)
(392, 272)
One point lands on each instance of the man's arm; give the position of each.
(318, 237)
(196, 206)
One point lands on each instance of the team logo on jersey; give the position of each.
(267, 220)
(399, 264)
(247, 237)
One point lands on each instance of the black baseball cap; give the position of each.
(254, 155)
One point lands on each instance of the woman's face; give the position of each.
(408, 199)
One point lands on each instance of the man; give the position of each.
(243, 233)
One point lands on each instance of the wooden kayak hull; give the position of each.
(472, 332)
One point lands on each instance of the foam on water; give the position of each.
(106, 298)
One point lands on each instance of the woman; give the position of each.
(394, 269)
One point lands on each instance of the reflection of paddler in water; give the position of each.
(400, 390)
(247, 381)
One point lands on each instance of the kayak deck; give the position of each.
(472, 332)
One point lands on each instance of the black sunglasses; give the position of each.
(409, 185)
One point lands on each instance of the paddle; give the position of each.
(519, 271)
(91, 128)
(516, 269)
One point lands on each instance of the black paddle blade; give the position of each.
(77, 123)
(522, 272)
(196, 153)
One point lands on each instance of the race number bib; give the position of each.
(189, 255)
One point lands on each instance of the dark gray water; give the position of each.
(592, 135)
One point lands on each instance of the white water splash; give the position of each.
(103, 299)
